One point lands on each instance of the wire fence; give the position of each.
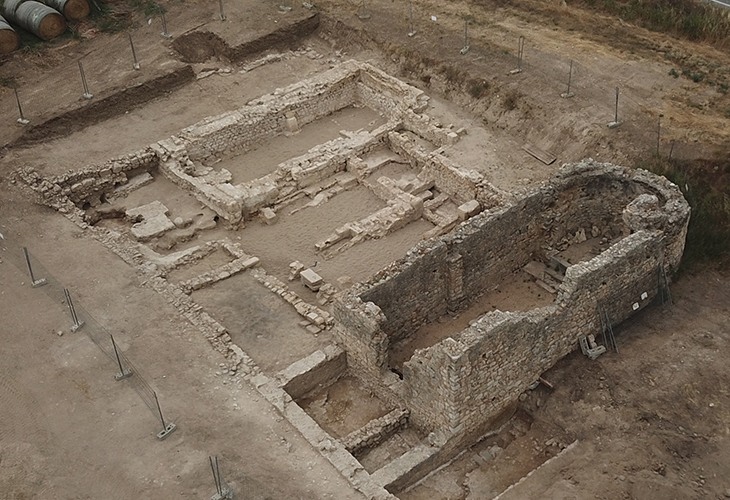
(544, 71)
(81, 320)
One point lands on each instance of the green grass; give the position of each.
(690, 19)
(706, 186)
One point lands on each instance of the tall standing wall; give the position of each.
(463, 383)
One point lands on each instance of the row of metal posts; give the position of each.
(363, 14)
(78, 323)
(222, 489)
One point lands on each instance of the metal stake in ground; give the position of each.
(22, 120)
(123, 372)
(658, 132)
(76, 323)
(412, 31)
(465, 49)
(568, 93)
(167, 429)
(164, 26)
(223, 14)
(33, 281)
(520, 53)
(615, 123)
(363, 14)
(134, 53)
(222, 491)
(87, 94)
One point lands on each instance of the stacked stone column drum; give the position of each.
(463, 384)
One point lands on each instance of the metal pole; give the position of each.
(671, 150)
(27, 261)
(570, 75)
(122, 372)
(218, 475)
(164, 27)
(568, 93)
(363, 14)
(159, 410)
(465, 49)
(134, 53)
(76, 323)
(410, 19)
(615, 123)
(223, 15)
(87, 94)
(167, 429)
(22, 120)
(520, 51)
(658, 132)
(33, 281)
(215, 476)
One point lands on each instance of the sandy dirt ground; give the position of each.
(69, 430)
(652, 422)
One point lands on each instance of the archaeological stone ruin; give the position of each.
(421, 333)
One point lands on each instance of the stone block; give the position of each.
(291, 123)
(295, 268)
(311, 280)
(154, 221)
(152, 227)
(535, 269)
(269, 216)
(250, 262)
(468, 209)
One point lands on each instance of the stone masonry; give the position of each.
(460, 386)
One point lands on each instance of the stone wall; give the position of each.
(479, 372)
(266, 117)
(461, 185)
(319, 369)
(375, 432)
(465, 381)
(415, 295)
(387, 95)
(87, 184)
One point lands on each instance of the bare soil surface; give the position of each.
(343, 407)
(68, 430)
(259, 322)
(650, 422)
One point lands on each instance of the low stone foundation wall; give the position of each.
(375, 432)
(319, 369)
